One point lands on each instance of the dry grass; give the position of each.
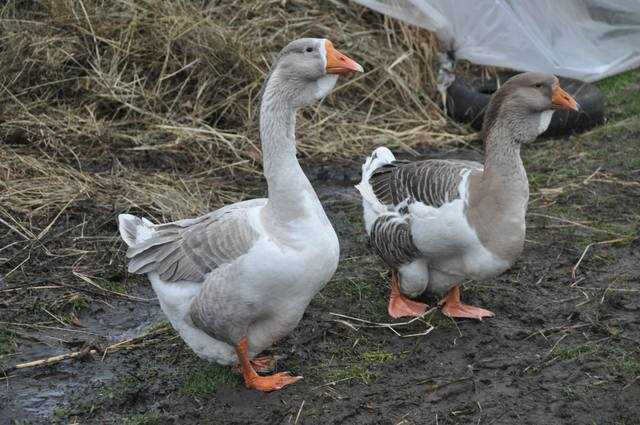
(107, 106)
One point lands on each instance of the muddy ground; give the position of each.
(562, 349)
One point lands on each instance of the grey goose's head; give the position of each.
(524, 105)
(307, 70)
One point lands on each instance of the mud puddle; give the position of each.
(38, 392)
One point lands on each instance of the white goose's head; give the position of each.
(525, 104)
(307, 70)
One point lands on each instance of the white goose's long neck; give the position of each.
(288, 187)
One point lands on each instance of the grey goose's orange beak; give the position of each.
(337, 62)
(560, 99)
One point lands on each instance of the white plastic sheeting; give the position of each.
(583, 39)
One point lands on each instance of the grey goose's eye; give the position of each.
(309, 49)
(538, 86)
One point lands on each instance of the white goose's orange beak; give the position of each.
(560, 99)
(337, 62)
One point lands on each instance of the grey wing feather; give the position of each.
(187, 250)
(390, 238)
(433, 182)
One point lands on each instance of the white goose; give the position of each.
(438, 222)
(234, 281)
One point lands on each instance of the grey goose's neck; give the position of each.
(499, 197)
(504, 171)
(286, 182)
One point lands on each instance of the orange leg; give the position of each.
(255, 381)
(399, 305)
(261, 364)
(452, 307)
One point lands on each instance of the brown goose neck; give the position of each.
(503, 168)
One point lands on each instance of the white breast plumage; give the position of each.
(447, 240)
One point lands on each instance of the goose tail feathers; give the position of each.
(380, 157)
(134, 230)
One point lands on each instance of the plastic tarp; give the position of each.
(582, 39)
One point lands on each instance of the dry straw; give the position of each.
(150, 105)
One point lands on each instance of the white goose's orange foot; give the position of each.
(252, 380)
(401, 306)
(451, 306)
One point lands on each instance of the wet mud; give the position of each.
(561, 349)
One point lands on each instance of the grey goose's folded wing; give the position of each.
(390, 238)
(187, 250)
(433, 182)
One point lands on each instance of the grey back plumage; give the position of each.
(187, 250)
(433, 182)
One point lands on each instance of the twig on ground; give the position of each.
(91, 350)
(92, 283)
(575, 268)
(299, 412)
(574, 223)
(391, 326)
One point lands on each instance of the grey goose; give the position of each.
(436, 223)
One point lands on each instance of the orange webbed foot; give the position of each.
(253, 380)
(400, 305)
(273, 382)
(451, 306)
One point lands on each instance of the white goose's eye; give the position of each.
(309, 49)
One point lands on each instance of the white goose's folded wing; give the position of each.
(187, 250)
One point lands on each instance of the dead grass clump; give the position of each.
(101, 77)
(151, 106)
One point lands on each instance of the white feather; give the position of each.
(545, 120)
(134, 229)
(325, 85)
(371, 205)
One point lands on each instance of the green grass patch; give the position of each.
(150, 418)
(78, 302)
(359, 366)
(360, 289)
(7, 342)
(622, 94)
(629, 367)
(127, 386)
(367, 292)
(205, 380)
(60, 413)
(569, 393)
(583, 184)
(617, 358)
(623, 361)
(377, 357)
(353, 371)
(576, 351)
(112, 285)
